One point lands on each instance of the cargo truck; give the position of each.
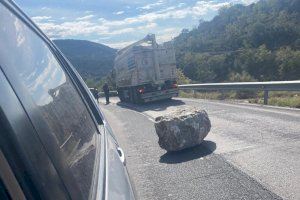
(146, 71)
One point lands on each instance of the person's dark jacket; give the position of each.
(105, 89)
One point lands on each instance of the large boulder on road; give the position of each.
(184, 128)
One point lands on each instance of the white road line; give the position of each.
(136, 110)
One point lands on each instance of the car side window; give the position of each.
(51, 100)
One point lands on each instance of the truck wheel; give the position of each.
(127, 95)
(131, 95)
(135, 96)
(121, 95)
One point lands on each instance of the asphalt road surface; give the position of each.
(252, 152)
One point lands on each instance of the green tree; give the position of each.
(289, 63)
(243, 39)
(181, 78)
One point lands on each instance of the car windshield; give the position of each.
(203, 96)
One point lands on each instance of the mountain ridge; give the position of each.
(92, 60)
(258, 42)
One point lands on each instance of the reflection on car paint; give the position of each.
(62, 116)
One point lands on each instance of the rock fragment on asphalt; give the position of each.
(183, 128)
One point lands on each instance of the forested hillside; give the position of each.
(244, 43)
(92, 60)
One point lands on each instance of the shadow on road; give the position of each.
(202, 150)
(155, 106)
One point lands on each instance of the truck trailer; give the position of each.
(146, 71)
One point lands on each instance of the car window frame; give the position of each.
(80, 87)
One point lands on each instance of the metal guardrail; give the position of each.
(111, 93)
(264, 86)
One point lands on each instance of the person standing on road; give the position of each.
(96, 94)
(106, 92)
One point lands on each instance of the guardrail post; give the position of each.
(266, 97)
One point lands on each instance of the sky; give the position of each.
(118, 23)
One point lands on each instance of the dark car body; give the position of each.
(54, 141)
(94, 92)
